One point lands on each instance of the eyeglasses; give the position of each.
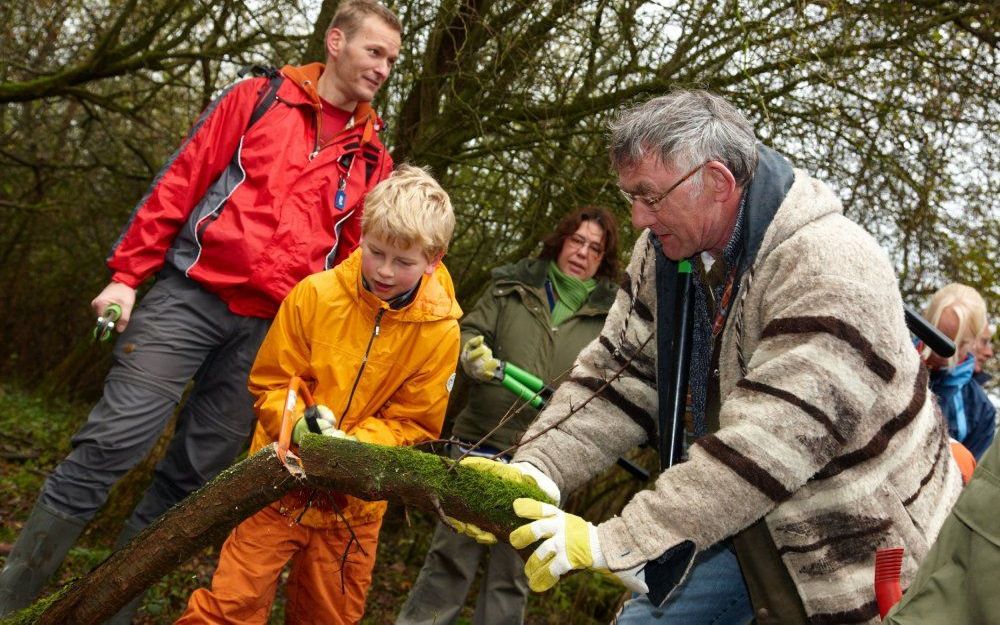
(576, 241)
(651, 201)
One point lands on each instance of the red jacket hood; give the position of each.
(307, 77)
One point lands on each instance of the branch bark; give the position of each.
(401, 474)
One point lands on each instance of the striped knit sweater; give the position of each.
(831, 435)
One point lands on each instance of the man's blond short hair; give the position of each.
(352, 13)
(970, 308)
(410, 208)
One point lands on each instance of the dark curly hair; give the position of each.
(553, 243)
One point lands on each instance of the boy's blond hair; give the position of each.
(970, 308)
(410, 208)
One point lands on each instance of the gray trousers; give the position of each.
(439, 593)
(449, 569)
(178, 332)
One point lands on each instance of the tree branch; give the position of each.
(371, 472)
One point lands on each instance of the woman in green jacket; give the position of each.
(537, 313)
(957, 581)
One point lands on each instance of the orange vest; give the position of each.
(966, 461)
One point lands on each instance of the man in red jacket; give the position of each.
(267, 188)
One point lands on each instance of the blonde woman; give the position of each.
(960, 313)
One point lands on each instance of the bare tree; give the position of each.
(507, 101)
(890, 100)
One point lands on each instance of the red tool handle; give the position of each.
(296, 388)
(888, 565)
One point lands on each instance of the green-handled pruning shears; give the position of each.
(536, 392)
(526, 386)
(106, 322)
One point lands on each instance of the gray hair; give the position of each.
(686, 128)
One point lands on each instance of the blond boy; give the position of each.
(378, 339)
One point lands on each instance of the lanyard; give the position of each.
(340, 198)
(722, 310)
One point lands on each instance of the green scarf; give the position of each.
(571, 293)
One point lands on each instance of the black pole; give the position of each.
(931, 336)
(672, 442)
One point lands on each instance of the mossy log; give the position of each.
(401, 474)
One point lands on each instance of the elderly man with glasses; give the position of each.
(813, 439)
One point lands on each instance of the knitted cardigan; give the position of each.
(830, 435)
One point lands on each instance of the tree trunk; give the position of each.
(372, 472)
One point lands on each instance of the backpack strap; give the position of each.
(270, 95)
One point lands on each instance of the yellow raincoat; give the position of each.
(321, 333)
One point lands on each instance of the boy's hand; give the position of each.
(522, 472)
(477, 359)
(318, 419)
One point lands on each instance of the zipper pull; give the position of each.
(319, 126)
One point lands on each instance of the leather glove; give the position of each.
(570, 543)
(474, 532)
(318, 419)
(477, 359)
(520, 472)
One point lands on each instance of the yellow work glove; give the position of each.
(318, 419)
(474, 532)
(520, 472)
(570, 543)
(477, 359)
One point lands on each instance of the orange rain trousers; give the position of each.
(244, 584)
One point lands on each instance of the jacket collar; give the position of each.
(306, 77)
(781, 202)
(434, 301)
(767, 190)
(533, 272)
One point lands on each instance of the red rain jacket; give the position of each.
(249, 212)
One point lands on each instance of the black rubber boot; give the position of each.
(127, 613)
(37, 553)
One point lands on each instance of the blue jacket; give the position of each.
(971, 416)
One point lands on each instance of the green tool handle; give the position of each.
(113, 312)
(523, 392)
(105, 322)
(532, 382)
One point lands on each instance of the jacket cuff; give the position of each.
(662, 572)
(540, 462)
(126, 279)
(620, 550)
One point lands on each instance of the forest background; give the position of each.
(895, 103)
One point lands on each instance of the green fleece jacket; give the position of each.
(513, 316)
(956, 582)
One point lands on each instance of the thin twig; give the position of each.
(347, 547)
(442, 516)
(576, 409)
